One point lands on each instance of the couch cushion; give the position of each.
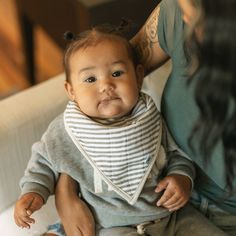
(24, 118)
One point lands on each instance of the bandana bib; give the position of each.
(122, 151)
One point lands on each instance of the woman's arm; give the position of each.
(75, 215)
(147, 44)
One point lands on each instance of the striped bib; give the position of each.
(122, 150)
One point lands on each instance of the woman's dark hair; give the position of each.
(215, 78)
(94, 36)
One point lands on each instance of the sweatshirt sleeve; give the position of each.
(178, 161)
(40, 176)
(170, 26)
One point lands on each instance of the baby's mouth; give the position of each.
(108, 99)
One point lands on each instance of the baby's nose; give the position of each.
(106, 85)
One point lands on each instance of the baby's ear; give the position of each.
(69, 91)
(139, 75)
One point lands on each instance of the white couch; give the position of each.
(23, 119)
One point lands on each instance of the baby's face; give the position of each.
(104, 82)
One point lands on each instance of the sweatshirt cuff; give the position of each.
(36, 188)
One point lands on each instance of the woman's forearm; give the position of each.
(66, 186)
(75, 215)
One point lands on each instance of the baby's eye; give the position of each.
(117, 73)
(90, 80)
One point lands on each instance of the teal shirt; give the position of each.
(181, 112)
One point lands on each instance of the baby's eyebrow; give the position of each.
(118, 62)
(86, 69)
(93, 67)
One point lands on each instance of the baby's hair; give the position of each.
(94, 36)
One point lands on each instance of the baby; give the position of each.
(112, 141)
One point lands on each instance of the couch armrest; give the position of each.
(24, 117)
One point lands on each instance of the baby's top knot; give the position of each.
(124, 24)
(69, 36)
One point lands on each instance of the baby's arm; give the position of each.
(180, 174)
(36, 185)
(25, 207)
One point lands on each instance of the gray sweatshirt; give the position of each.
(56, 153)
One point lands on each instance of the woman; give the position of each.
(198, 101)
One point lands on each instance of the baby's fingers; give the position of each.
(173, 200)
(167, 195)
(177, 206)
(173, 206)
(29, 220)
(24, 221)
(22, 224)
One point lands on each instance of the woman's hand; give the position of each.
(177, 190)
(75, 215)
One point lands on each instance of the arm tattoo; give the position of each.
(149, 37)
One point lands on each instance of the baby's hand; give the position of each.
(24, 208)
(177, 191)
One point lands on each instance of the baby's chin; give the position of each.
(115, 115)
(112, 113)
(105, 115)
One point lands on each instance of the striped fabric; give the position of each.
(122, 150)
